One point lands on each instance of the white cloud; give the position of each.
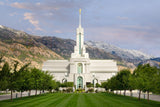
(32, 20)
(1, 3)
(122, 18)
(58, 31)
(34, 6)
(12, 14)
(38, 3)
(18, 5)
(136, 27)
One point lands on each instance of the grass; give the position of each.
(4, 93)
(78, 100)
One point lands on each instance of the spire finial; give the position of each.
(80, 17)
(80, 11)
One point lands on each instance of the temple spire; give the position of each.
(79, 17)
(79, 49)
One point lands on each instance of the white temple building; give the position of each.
(80, 69)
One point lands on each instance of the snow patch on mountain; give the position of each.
(123, 53)
(1, 26)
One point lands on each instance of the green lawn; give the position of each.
(78, 100)
(4, 93)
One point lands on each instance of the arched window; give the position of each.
(79, 82)
(80, 68)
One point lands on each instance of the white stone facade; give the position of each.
(80, 69)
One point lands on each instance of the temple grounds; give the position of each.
(78, 100)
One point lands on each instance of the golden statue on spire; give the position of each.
(80, 17)
(80, 11)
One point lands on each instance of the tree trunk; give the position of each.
(120, 92)
(131, 93)
(148, 95)
(21, 94)
(29, 92)
(11, 95)
(124, 92)
(116, 91)
(36, 92)
(40, 92)
(139, 95)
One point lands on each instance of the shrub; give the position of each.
(67, 84)
(63, 90)
(90, 90)
(98, 85)
(90, 85)
(68, 90)
(80, 90)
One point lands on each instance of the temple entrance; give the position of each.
(79, 82)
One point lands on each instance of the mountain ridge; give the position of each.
(123, 53)
(26, 47)
(20, 46)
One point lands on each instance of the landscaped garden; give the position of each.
(79, 100)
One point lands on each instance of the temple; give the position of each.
(80, 69)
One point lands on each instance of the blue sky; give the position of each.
(129, 24)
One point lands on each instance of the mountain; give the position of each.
(151, 62)
(156, 59)
(20, 46)
(65, 47)
(123, 53)
(23, 47)
(130, 58)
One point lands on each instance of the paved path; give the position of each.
(8, 96)
(144, 96)
(135, 94)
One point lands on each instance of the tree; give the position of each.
(4, 74)
(36, 74)
(105, 85)
(47, 82)
(157, 82)
(20, 77)
(1, 60)
(139, 81)
(144, 78)
(13, 79)
(113, 83)
(57, 85)
(149, 73)
(119, 81)
(124, 81)
(132, 83)
(12, 83)
(29, 81)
